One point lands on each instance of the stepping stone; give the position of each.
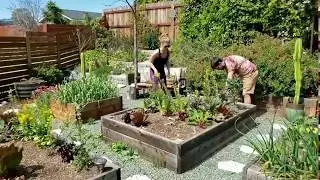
(279, 127)
(57, 131)
(121, 85)
(138, 177)
(231, 166)
(248, 150)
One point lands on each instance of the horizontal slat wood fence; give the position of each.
(159, 14)
(18, 55)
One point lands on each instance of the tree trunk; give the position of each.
(135, 47)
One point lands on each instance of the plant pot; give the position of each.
(24, 89)
(294, 111)
(131, 78)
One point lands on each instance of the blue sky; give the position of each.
(85, 5)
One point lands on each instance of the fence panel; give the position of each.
(162, 14)
(18, 55)
(13, 62)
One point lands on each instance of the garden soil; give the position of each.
(168, 127)
(46, 164)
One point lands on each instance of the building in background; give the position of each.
(75, 15)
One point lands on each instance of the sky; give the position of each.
(84, 5)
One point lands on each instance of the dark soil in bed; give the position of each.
(168, 127)
(46, 164)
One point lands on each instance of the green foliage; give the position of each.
(87, 90)
(50, 74)
(180, 104)
(166, 105)
(53, 13)
(83, 65)
(294, 155)
(199, 118)
(236, 21)
(273, 59)
(151, 39)
(35, 122)
(297, 69)
(234, 90)
(123, 149)
(119, 147)
(82, 159)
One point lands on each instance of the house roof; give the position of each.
(79, 15)
(6, 22)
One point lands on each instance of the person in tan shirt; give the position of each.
(238, 65)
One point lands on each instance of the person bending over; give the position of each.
(238, 65)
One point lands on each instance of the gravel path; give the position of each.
(208, 170)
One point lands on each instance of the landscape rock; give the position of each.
(10, 157)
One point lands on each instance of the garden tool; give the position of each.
(163, 86)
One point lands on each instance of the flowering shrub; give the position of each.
(35, 121)
(44, 89)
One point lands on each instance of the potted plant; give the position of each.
(295, 109)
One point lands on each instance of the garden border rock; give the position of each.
(112, 174)
(178, 155)
(252, 171)
(125, 79)
(96, 109)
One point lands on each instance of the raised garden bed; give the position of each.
(93, 110)
(46, 164)
(175, 144)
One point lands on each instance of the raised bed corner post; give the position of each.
(28, 49)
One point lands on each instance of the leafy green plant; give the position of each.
(234, 90)
(35, 123)
(50, 74)
(82, 159)
(237, 21)
(118, 67)
(272, 57)
(297, 69)
(180, 104)
(151, 39)
(294, 155)
(166, 106)
(199, 118)
(119, 147)
(122, 148)
(87, 90)
(149, 105)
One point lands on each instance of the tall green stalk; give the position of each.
(83, 66)
(297, 69)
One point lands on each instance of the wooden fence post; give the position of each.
(28, 48)
(172, 31)
(58, 49)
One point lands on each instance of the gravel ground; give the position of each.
(207, 170)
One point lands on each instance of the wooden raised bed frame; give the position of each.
(94, 110)
(178, 155)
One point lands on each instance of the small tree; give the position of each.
(53, 14)
(26, 13)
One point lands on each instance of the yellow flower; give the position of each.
(315, 130)
(308, 130)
